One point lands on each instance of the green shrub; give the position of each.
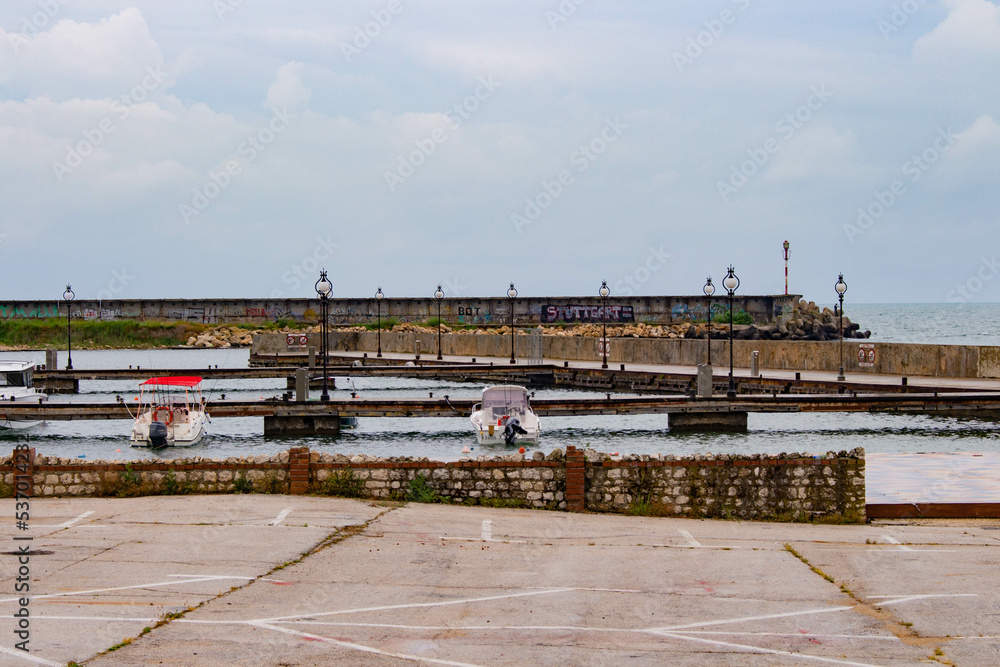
(422, 492)
(129, 484)
(343, 483)
(241, 484)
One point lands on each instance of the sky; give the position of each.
(234, 148)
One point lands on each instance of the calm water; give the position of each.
(942, 323)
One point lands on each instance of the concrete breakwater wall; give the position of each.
(793, 486)
(960, 361)
(455, 310)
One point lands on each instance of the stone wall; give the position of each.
(455, 310)
(910, 359)
(787, 487)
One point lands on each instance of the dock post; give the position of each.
(302, 384)
(704, 381)
(51, 360)
(312, 356)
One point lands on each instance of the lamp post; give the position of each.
(378, 306)
(323, 288)
(68, 297)
(841, 287)
(604, 292)
(731, 283)
(439, 295)
(512, 294)
(709, 290)
(785, 247)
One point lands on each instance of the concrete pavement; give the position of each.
(284, 580)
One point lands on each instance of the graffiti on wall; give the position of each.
(473, 315)
(571, 313)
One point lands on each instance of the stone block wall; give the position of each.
(787, 487)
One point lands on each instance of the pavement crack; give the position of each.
(339, 535)
(901, 630)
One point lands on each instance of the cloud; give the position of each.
(103, 59)
(971, 26)
(288, 91)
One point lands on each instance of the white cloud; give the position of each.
(971, 25)
(288, 91)
(107, 58)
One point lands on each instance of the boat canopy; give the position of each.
(502, 398)
(174, 381)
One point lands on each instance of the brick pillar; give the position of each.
(24, 472)
(298, 470)
(575, 480)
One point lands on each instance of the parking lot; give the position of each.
(269, 580)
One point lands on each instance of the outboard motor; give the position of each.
(158, 434)
(511, 429)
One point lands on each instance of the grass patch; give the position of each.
(46, 332)
(507, 503)
(422, 492)
(269, 484)
(343, 483)
(241, 484)
(741, 317)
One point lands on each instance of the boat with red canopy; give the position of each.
(172, 413)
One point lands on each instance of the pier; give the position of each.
(286, 417)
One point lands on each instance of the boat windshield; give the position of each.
(15, 379)
(505, 400)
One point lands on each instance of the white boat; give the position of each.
(172, 413)
(505, 417)
(17, 385)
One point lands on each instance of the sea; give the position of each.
(962, 451)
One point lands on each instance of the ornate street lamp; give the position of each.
(709, 290)
(68, 297)
(841, 287)
(731, 282)
(439, 295)
(604, 292)
(785, 247)
(512, 294)
(323, 289)
(378, 305)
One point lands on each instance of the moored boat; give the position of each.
(505, 417)
(172, 413)
(17, 386)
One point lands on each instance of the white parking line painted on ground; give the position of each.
(743, 619)
(894, 599)
(486, 535)
(30, 658)
(691, 543)
(67, 524)
(360, 647)
(689, 538)
(193, 580)
(759, 649)
(418, 605)
(281, 516)
(905, 549)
